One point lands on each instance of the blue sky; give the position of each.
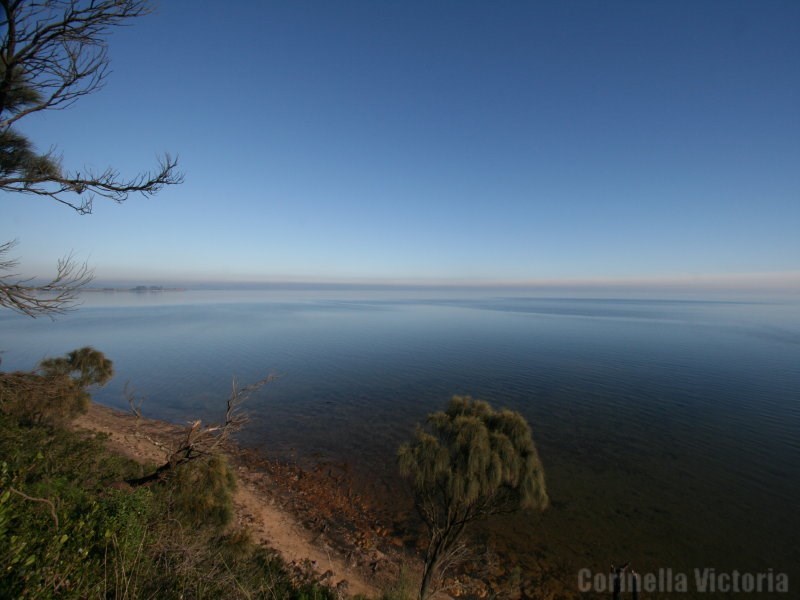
(440, 142)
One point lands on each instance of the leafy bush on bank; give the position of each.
(70, 529)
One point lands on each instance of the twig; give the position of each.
(42, 500)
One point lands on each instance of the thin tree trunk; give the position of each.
(428, 572)
(432, 558)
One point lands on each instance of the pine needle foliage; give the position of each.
(470, 462)
(86, 366)
(52, 54)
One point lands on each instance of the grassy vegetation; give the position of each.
(70, 529)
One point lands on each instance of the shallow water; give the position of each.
(670, 431)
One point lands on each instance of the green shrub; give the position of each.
(56, 511)
(58, 391)
(67, 532)
(165, 541)
(200, 493)
(36, 399)
(403, 588)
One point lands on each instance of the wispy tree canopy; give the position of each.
(471, 461)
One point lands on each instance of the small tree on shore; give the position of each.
(469, 463)
(86, 366)
(58, 391)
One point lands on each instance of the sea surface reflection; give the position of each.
(669, 430)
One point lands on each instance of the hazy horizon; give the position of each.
(777, 286)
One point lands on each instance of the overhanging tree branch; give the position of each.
(108, 184)
(55, 52)
(56, 296)
(52, 53)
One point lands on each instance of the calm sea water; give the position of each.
(670, 431)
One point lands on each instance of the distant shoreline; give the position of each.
(139, 289)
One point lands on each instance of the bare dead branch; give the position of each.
(56, 296)
(198, 441)
(135, 408)
(134, 404)
(49, 503)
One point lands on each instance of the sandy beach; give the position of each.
(320, 527)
